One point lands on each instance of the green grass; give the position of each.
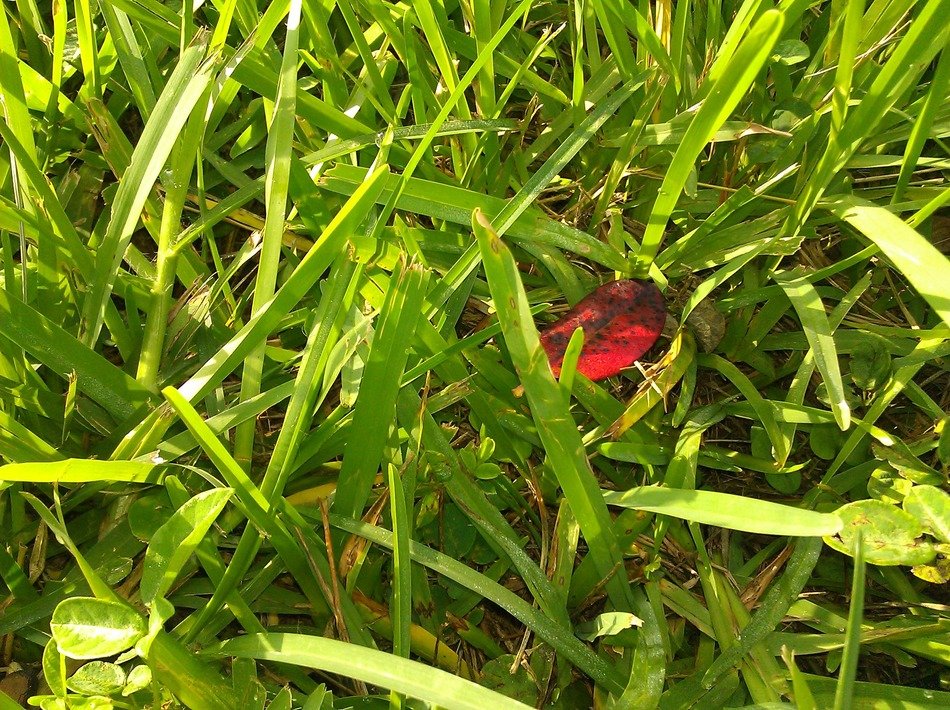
(276, 429)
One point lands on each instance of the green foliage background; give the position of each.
(275, 425)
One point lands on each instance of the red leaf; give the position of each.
(621, 321)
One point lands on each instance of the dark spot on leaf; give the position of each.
(621, 321)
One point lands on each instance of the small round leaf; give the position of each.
(138, 679)
(97, 678)
(891, 536)
(870, 364)
(790, 51)
(85, 627)
(931, 506)
(887, 485)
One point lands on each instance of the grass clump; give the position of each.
(277, 429)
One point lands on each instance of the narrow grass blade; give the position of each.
(878, 694)
(850, 35)
(448, 106)
(375, 406)
(186, 85)
(917, 259)
(401, 515)
(844, 692)
(921, 132)
(727, 511)
(565, 452)
(723, 97)
(276, 178)
(130, 56)
(486, 517)
(14, 108)
(814, 320)
(19, 444)
(371, 666)
(311, 267)
(455, 204)
(799, 384)
(49, 206)
(925, 37)
(250, 501)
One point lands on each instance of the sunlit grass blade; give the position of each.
(722, 98)
(81, 471)
(383, 669)
(814, 320)
(276, 178)
(923, 39)
(456, 204)
(727, 511)
(921, 131)
(448, 106)
(375, 405)
(916, 258)
(184, 88)
(311, 267)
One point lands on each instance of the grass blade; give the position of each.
(723, 97)
(915, 257)
(276, 177)
(311, 267)
(814, 320)
(727, 511)
(844, 692)
(375, 406)
(186, 85)
(369, 665)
